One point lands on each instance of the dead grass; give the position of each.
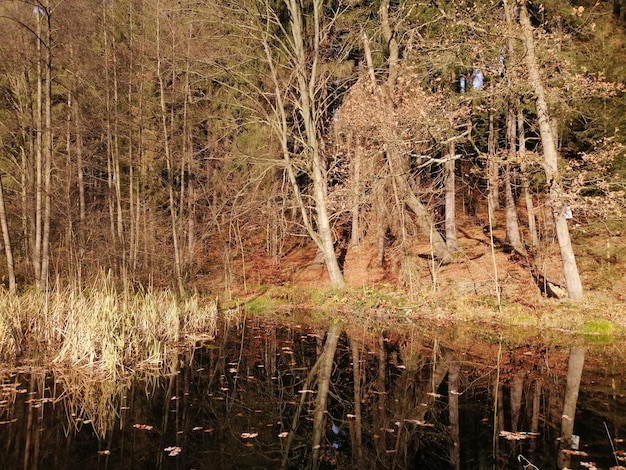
(99, 328)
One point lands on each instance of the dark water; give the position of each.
(418, 399)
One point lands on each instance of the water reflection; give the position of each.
(269, 396)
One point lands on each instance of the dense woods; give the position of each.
(182, 143)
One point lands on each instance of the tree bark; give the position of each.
(548, 141)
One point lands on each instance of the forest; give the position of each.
(215, 146)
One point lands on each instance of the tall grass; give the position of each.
(100, 327)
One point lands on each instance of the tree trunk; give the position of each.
(512, 226)
(48, 148)
(521, 138)
(39, 145)
(493, 170)
(8, 249)
(450, 203)
(357, 191)
(555, 191)
(525, 183)
(170, 167)
(392, 45)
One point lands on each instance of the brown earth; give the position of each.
(483, 276)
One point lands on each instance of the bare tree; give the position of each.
(298, 52)
(555, 197)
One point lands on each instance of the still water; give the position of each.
(263, 395)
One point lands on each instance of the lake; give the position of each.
(267, 395)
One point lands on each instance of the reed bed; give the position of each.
(99, 327)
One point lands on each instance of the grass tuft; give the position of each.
(98, 327)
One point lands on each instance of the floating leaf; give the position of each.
(575, 452)
(143, 427)
(173, 451)
(517, 436)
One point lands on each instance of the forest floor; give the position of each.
(485, 283)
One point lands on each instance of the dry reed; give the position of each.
(99, 327)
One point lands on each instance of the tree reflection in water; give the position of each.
(269, 396)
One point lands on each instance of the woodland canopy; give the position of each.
(198, 145)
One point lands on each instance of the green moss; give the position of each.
(599, 327)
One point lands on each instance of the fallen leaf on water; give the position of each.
(282, 435)
(517, 436)
(589, 465)
(173, 451)
(104, 452)
(575, 452)
(143, 427)
(249, 435)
